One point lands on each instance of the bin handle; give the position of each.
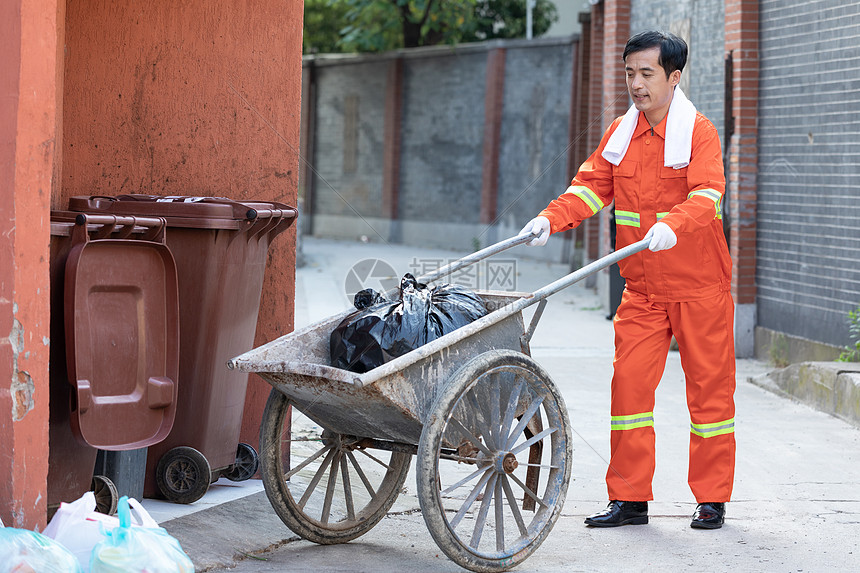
(153, 227)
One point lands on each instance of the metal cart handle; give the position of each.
(539, 296)
(551, 288)
(476, 257)
(589, 269)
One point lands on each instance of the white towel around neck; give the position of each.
(679, 133)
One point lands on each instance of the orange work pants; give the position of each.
(643, 332)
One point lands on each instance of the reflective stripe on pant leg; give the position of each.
(704, 330)
(642, 339)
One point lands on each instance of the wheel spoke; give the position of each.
(478, 408)
(471, 437)
(361, 475)
(304, 464)
(470, 477)
(511, 412)
(528, 491)
(481, 518)
(329, 490)
(512, 503)
(377, 460)
(524, 421)
(347, 489)
(542, 466)
(316, 479)
(500, 516)
(471, 499)
(495, 411)
(532, 440)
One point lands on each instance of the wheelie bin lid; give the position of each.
(188, 211)
(121, 311)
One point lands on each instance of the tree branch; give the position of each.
(426, 11)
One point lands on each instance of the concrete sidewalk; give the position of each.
(796, 502)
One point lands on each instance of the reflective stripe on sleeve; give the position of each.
(715, 429)
(632, 421)
(661, 215)
(628, 218)
(590, 197)
(711, 194)
(714, 196)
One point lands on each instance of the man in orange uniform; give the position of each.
(679, 286)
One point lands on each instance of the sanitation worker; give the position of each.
(662, 165)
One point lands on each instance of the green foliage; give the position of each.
(324, 19)
(852, 353)
(507, 19)
(381, 25)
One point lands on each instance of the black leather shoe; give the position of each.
(709, 516)
(620, 513)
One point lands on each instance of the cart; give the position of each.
(488, 426)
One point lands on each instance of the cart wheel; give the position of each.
(247, 462)
(106, 494)
(183, 475)
(494, 461)
(321, 485)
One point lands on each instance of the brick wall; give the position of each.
(616, 25)
(597, 122)
(808, 271)
(742, 42)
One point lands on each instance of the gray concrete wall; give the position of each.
(700, 24)
(808, 270)
(534, 136)
(348, 141)
(442, 138)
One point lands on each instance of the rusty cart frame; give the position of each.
(488, 426)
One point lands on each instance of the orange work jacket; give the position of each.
(645, 191)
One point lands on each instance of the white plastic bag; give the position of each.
(79, 527)
(25, 551)
(146, 549)
(71, 528)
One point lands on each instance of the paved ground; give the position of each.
(796, 504)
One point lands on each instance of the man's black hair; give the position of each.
(673, 50)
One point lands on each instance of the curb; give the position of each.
(831, 387)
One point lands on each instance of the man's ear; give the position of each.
(675, 78)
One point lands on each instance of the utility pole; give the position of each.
(530, 5)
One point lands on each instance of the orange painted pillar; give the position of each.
(28, 71)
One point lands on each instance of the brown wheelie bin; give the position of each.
(220, 247)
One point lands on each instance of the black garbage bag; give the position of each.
(385, 329)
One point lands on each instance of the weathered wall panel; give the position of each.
(808, 271)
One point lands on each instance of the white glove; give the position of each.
(662, 237)
(539, 226)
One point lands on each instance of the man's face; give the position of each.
(647, 84)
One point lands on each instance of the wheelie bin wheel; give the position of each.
(247, 462)
(494, 461)
(183, 475)
(325, 487)
(105, 493)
